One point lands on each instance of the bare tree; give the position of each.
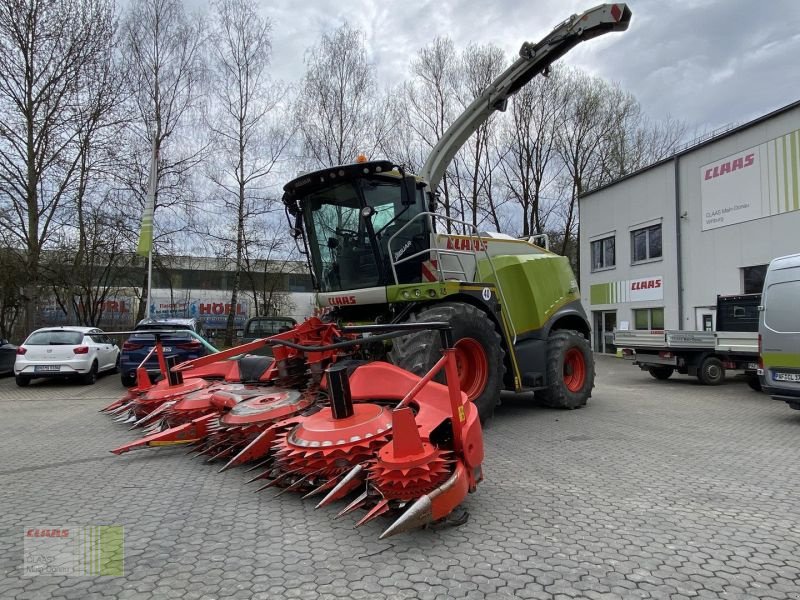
(12, 279)
(162, 50)
(270, 259)
(90, 247)
(530, 135)
(45, 48)
(248, 135)
(337, 104)
(586, 127)
(430, 99)
(475, 164)
(636, 141)
(81, 289)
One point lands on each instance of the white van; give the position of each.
(779, 331)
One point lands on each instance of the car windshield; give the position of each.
(267, 327)
(55, 338)
(341, 248)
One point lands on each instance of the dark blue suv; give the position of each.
(182, 345)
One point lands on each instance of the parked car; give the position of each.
(8, 354)
(178, 343)
(260, 327)
(65, 352)
(779, 331)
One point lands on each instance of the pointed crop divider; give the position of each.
(261, 475)
(341, 488)
(119, 409)
(152, 414)
(256, 466)
(225, 451)
(160, 425)
(324, 487)
(113, 406)
(123, 414)
(360, 500)
(197, 446)
(417, 515)
(298, 483)
(258, 447)
(380, 508)
(211, 449)
(161, 436)
(278, 479)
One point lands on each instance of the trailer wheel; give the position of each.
(570, 370)
(479, 352)
(661, 373)
(711, 371)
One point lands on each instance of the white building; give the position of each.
(660, 244)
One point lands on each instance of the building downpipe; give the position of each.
(679, 253)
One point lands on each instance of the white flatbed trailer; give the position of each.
(704, 354)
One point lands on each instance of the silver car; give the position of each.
(65, 352)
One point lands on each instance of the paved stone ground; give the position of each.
(655, 490)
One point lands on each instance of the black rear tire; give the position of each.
(661, 373)
(22, 380)
(754, 382)
(419, 351)
(711, 371)
(564, 389)
(91, 377)
(128, 380)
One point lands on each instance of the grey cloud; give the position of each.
(709, 62)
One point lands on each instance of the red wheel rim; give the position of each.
(473, 367)
(574, 370)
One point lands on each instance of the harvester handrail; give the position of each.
(434, 249)
(393, 330)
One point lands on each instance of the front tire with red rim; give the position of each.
(479, 351)
(570, 370)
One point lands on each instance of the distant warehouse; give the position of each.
(657, 246)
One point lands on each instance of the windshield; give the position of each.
(55, 338)
(341, 246)
(268, 327)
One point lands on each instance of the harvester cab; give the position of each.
(379, 252)
(348, 215)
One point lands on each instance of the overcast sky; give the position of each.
(709, 62)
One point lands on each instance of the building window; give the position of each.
(648, 318)
(753, 279)
(603, 254)
(646, 243)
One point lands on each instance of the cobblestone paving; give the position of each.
(655, 490)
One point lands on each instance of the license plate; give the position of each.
(46, 368)
(164, 348)
(752, 366)
(793, 377)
